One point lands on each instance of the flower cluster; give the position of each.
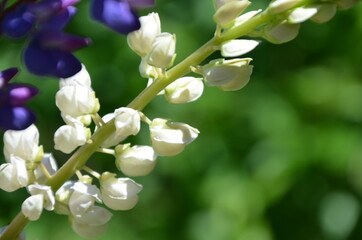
(14, 115)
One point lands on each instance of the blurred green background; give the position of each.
(280, 159)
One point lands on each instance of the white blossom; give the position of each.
(75, 99)
(13, 175)
(184, 90)
(281, 33)
(23, 143)
(62, 196)
(50, 165)
(170, 138)
(83, 198)
(245, 17)
(279, 6)
(119, 193)
(81, 78)
(148, 71)
(163, 51)
(237, 47)
(136, 160)
(88, 231)
(302, 14)
(229, 11)
(127, 122)
(141, 40)
(41, 197)
(69, 137)
(229, 75)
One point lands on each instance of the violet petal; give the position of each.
(15, 118)
(19, 93)
(6, 75)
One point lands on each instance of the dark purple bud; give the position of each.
(45, 9)
(15, 118)
(62, 41)
(141, 3)
(18, 93)
(6, 75)
(117, 15)
(59, 21)
(50, 62)
(18, 23)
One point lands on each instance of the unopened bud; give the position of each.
(184, 90)
(325, 13)
(163, 51)
(281, 33)
(229, 11)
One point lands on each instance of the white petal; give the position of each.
(47, 193)
(325, 13)
(21, 172)
(238, 47)
(302, 14)
(88, 189)
(82, 78)
(87, 231)
(95, 216)
(32, 207)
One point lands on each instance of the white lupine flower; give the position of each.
(170, 138)
(281, 33)
(229, 11)
(114, 138)
(32, 207)
(88, 231)
(50, 165)
(69, 137)
(41, 197)
(279, 6)
(136, 160)
(229, 75)
(325, 13)
(119, 193)
(345, 4)
(81, 78)
(83, 198)
(237, 47)
(302, 14)
(62, 198)
(163, 51)
(23, 143)
(95, 216)
(148, 71)
(127, 121)
(141, 40)
(13, 175)
(245, 17)
(76, 100)
(184, 90)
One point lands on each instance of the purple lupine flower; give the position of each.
(13, 114)
(119, 15)
(49, 52)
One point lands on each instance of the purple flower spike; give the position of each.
(15, 118)
(18, 23)
(50, 62)
(59, 21)
(13, 115)
(61, 41)
(116, 14)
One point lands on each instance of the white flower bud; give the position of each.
(229, 75)
(245, 17)
(23, 143)
(119, 193)
(50, 165)
(83, 198)
(42, 197)
(136, 160)
(69, 137)
(163, 51)
(170, 138)
(281, 33)
(302, 14)
(184, 90)
(81, 78)
(229, 11)
(13, 175)
(32, 207)
(148, 71)
(46, 192)
(325, 13)
(237, 47)
(141, 40)
(279, 6)
(76, 100)
(127, 122)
